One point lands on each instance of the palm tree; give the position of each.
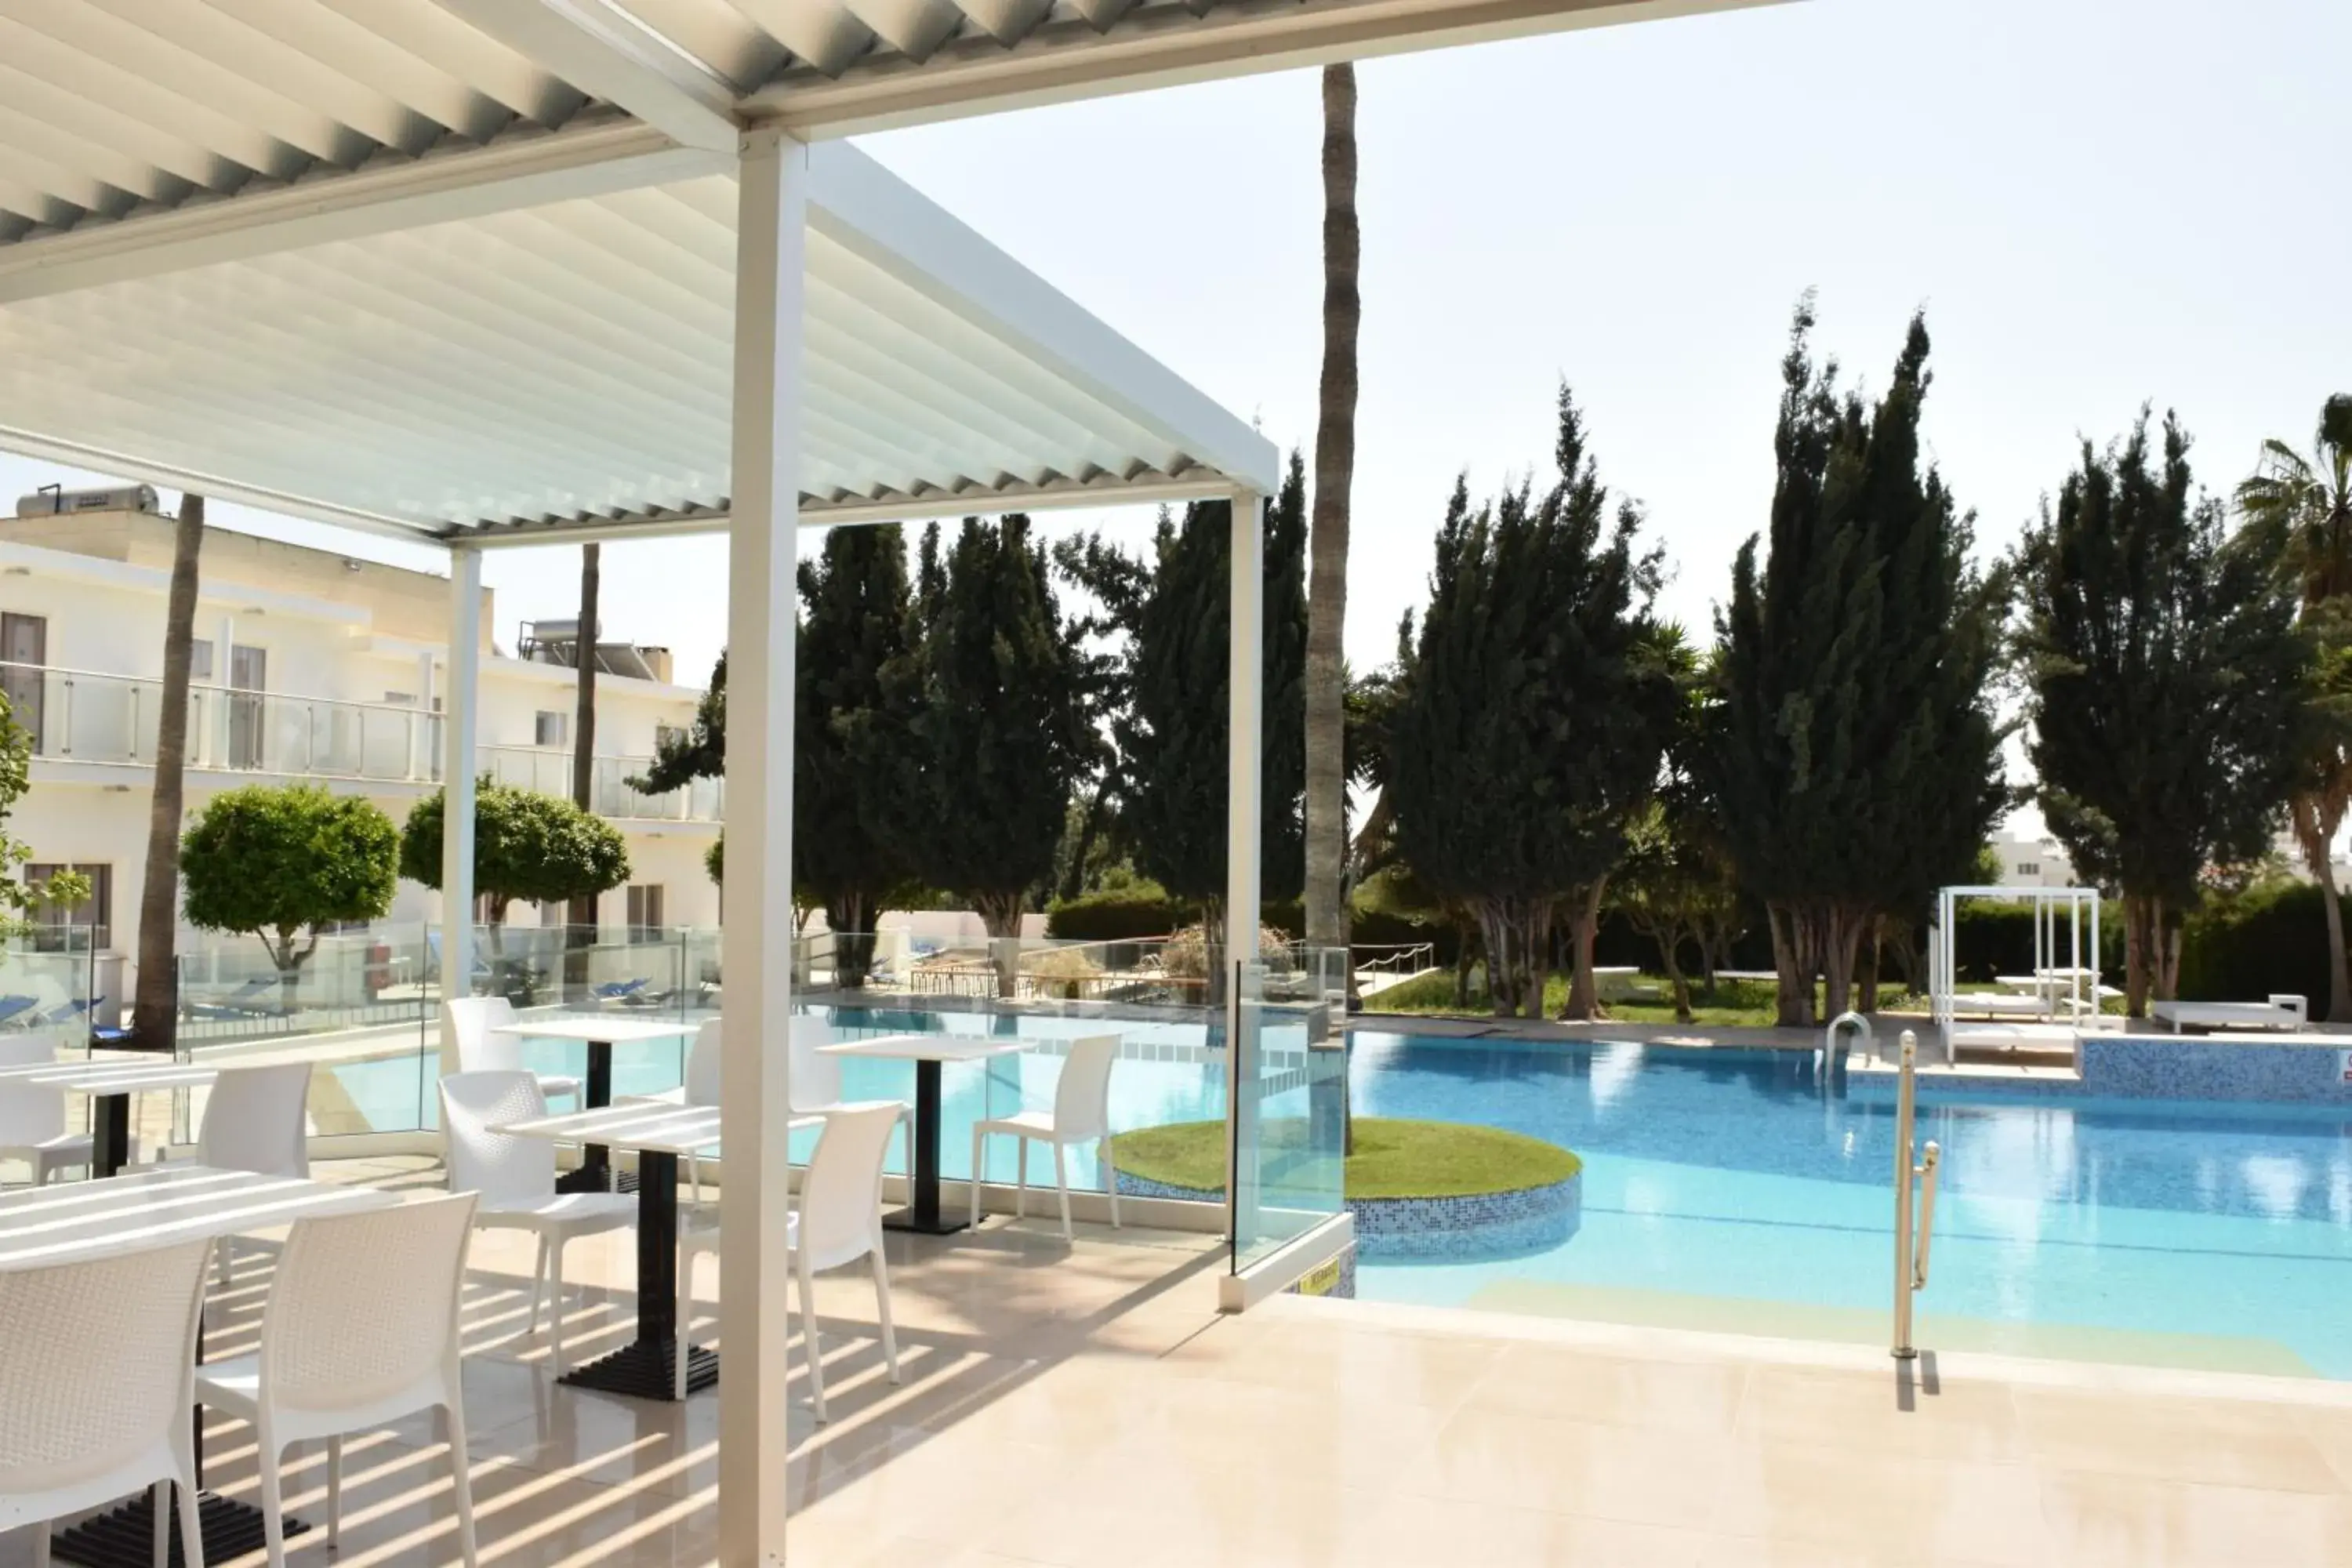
(1334, 461)
(155, 1005)
(1326, 592)
(2298, 511)
(582, 916)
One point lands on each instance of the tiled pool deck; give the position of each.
(1086, 1405)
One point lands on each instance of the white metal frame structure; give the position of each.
(485, 273)
(2071, 987)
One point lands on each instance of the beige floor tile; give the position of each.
(399, 1509)
(2223, 1443)
(1549, 1380)
(1409, 1531)
(2095, 1520)
(1754, 1551)
(2331, 1432)
(1073, 1406)
(1389, 1368)
(1629, 1474)
(1881, 1413)
(1843, 1501)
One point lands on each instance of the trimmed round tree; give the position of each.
(538, 847)
(278, 862)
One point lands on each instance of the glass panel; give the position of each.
(358, 1007)
(1169, 1071)
(655, 974)
(1290, 1117)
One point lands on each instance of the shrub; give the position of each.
(277, 862)
(1118, 914)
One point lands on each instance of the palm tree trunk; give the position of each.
(582, 916)
(2339, 972)
(1334, 461)
(155, 1009)
(1327, 594)
(2315, 822)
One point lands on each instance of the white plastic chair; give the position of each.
(96, 1382)
(472, 1022)
(256, 1120)
(1081, 1114)
(839, 1222)
(515, 1178)
(33, 1116)
(360, 1329)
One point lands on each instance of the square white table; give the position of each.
(928, 1053)
(74, 1221)
(601, 1033)
(644, 1368)
(110, 1083)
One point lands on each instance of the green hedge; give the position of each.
(2269, 939)
(1122, 914)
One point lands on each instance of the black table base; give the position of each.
(923, 1213)
(124, 1537)
(646, 1367)
(110, 1134)
(911, 1219)
(643, 1369)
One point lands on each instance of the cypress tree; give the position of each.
(1170, 726)
(993, 694)
(2166, 688)
(1531, 717)
(847, 851)
(1855, 758)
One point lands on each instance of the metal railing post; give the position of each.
(1905, 1110)
(1911, 1248)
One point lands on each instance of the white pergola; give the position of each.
(483, 273)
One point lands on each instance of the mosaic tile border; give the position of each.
(1476, 1228)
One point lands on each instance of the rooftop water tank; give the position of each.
(52, 501)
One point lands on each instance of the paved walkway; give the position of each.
(1085, 1405)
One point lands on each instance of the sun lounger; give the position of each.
(12, 1006)
(245, 1002)
(2280, 1011)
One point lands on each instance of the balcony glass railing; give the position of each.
(77, 715)
(609, 793)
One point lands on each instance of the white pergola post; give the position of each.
(772, 228)
(1244, 749)
(460, 705)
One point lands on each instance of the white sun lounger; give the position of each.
(2279, 1013)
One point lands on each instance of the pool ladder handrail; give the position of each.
(1911, 1248)
(1830, 1038)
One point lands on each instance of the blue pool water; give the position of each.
(1732, 1174)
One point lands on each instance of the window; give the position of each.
(399, 699)
(666, 735)
(200, 659)
(96, 916)
(552, 728)
(645, 920)
(2029, 867)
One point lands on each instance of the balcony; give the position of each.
(86, 717)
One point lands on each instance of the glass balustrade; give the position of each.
(83, 716)
(365, 1007)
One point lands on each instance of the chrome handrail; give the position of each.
(1830, 1038)
(1911, 1248)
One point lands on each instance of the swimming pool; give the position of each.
(1728, 1189)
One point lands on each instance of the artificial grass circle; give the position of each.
(1394, 1158)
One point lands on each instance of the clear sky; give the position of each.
(2098, 203)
